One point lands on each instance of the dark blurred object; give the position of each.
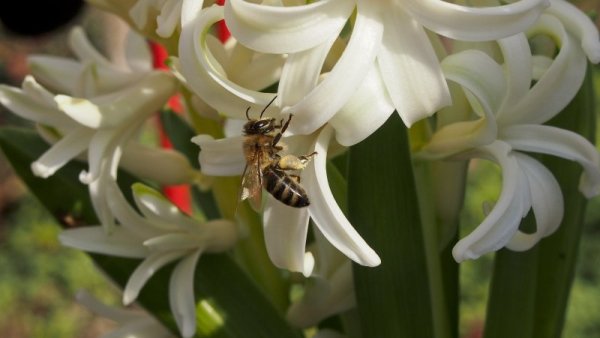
(37, 17)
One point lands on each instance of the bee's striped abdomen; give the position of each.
(284, 188)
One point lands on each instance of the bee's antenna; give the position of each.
(247, 110)
(267, 106)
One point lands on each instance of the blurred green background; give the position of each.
(39, 278)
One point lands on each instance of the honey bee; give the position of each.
(265, 168)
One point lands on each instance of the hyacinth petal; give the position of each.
(164, 166)
(168, 19)
(23, 105)
(326, 213)
(285, 232)
(562, 143)
(301, 73)
(181, 294)
(475, 23)
(503, 221)
(273, 29)
(127, 216)
(67, 148)
(145, 97)
(190, 9)
(120, 242)
(518, 65)
(140, 327)
(365, 112)
(59, 74)
(145, 271)
(557, 87)
(118, 315)
(264, 71)
(483, 81)
(203, 74)
(325, 100)
(137, 53)
(547, 203)
(223, 157)
(410, 68)
(83, 48)
(578, 24)
(173, 241)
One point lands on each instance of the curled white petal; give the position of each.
(145, 270)
(578, 24)
(503, 221)
(326, 213)
(181, 294)
(24, 105)
(476, 23)
(546, 200)
(557, 87)
(561, 143)
(273, 29)
(346, 76)
(204, 75)
(285, 232)
(365, 112)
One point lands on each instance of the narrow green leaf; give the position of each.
(243, 309)
(393, 298)
(530, 290)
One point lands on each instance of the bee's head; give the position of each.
(261, 126)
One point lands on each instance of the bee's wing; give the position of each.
(251, 188)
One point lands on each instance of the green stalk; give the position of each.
(393, 299)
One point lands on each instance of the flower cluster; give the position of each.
(339, 68)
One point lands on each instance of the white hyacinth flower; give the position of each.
(285, 228)
(98, 106)
(161, 235)
(388, 43)
(511, 116)
(131, 322)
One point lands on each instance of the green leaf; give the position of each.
(243, 309)
(393, 298)
(530, 290)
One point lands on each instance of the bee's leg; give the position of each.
(280, 133)
(291, 162)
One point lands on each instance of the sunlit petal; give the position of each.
(346, 76)
(475, 23)
(365, 112)
(273, 29)
(204, 77)
(410, 68)
(326, 213)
